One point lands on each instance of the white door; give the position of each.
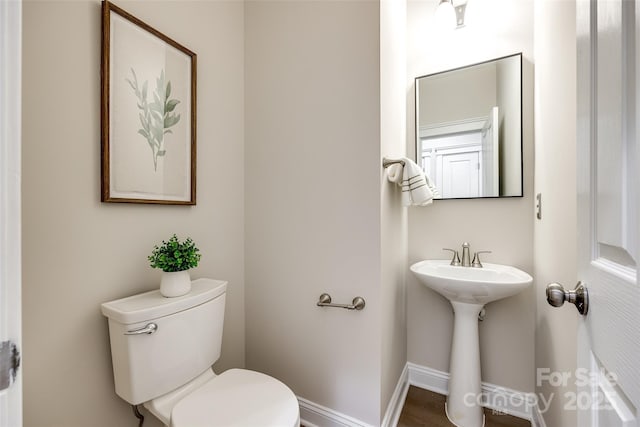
(608, 178)
(490, 152)
(10, 266)
(459, 173)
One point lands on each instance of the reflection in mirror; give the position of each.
(469, 129)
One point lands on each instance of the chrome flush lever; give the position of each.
(148, 329)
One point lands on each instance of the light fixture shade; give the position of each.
(445, 18)
(460, 14)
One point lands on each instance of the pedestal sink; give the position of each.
(468, 289)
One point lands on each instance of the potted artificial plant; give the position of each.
(175, 258)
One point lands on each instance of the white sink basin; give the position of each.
(468, 289)
(471, 285)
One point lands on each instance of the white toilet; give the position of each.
(162, 351)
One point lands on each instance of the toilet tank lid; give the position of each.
(152, 305)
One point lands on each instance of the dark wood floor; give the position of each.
(426, 408)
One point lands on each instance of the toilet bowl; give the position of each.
(237, 397)
(162, 350)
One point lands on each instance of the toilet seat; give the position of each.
(238, 397)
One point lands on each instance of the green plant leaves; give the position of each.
(170, 120)
(156, 117)
(131, 84)
(171, 105)
(174, 255)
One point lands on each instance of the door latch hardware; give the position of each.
(556, 296)
(539, 206)
(9, 364)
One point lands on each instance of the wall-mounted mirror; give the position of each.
(469, 129)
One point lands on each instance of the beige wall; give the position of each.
(79, 252)
(313, 201)
(393, 119)
(555, 234)
(505, 226)
(462, 95)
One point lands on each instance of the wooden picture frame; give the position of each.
(148, 113)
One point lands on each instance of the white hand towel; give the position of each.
(394, 173)
(417, 188)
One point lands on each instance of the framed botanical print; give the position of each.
(148, 113)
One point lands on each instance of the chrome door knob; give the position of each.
(556, 296)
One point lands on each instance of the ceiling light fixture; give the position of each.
(450, 16)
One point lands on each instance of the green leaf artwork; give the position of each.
(157, 116)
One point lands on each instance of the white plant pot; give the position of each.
(175, 283)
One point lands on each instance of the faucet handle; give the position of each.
(476, 259)
(456, 259)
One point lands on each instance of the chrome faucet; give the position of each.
(466, 257)
(476, 259)
(456, 259)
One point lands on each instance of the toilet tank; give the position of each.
(187, 340)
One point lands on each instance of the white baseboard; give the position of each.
(394, 408)
(537, 420)
(314, 415)
(428, 379)
(502, 399)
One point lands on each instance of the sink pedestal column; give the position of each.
(463, 405)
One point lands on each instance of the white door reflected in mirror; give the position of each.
(462, 158)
